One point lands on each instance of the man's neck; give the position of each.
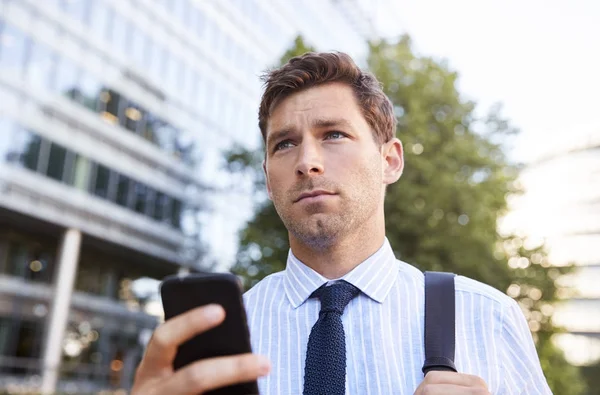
(339, 259)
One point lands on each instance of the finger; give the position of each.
(163, 345)
(449, 389)
(465, 380)
(213, 373)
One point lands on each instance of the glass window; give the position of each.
(238, 55)
(132, 119)
(155, 130)
(173, 69)
(20, 338)
(189, 80)
(119, 33)
(54, 3)
(114, 103)
(100, 21)
(162, 205)
(191, 18)
(92, 275)
(150, 202)
(30, 261)
(250, 9)
(184, 147)
(176, 209)
(199, 22)
(123, 187)
(210, 32)
(69, 171)
(9, 98)
(215, 109)
(77, 9)
(90, 91)
(3, 255)
(56, 162)
(67, 78)
(212, 95)
(7, 140)
(102, 181)
(194, 90)
(17, 259)
(157, 59)
(139, 44)
(140, 197)
(167, 4)
(227, 47)
(204, 87)
(181, 10)
(40, 68)
(226, 108)
(81, 173)
(41, 266)
(247, 64)
(167, 137)
(13, 50)
(26, 149)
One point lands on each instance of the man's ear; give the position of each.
(264, 166)
(393, 155)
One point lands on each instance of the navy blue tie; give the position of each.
(325, 369)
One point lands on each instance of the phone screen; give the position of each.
(183, 293)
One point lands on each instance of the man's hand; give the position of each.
(155, 374)
(450, 383)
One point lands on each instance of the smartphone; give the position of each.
(181, 293)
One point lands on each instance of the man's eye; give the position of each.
(335, 135)
(283, 145)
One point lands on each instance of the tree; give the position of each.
(443, 213)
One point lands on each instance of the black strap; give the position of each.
(439, 322)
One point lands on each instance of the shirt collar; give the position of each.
(374, 277)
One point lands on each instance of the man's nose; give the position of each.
(310, 161)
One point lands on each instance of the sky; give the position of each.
(540, 58)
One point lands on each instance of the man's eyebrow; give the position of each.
(330, 123)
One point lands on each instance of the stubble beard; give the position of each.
(320, 229)
(320, 232)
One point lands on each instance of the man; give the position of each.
(345, 316)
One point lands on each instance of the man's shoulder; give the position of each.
(268, 283)
(464, 286)
(470, 287)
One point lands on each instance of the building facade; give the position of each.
(561, 207)
(114, 117)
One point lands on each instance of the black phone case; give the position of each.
(183, 293)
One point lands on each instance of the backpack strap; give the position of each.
(439, 322)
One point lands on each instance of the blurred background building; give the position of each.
(114, 115)
(561, 206)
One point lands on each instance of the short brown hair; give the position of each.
(313, 69)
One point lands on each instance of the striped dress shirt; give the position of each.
(384, 330)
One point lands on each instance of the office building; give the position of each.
(114, 117)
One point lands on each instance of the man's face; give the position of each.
(325, 173)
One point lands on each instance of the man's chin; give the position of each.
(319, 231)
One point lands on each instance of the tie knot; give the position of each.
(335, 297)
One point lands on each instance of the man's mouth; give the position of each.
(314, 195)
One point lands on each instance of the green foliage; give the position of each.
(444, 211)
(299, 48)
(591, 375)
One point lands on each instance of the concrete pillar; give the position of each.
(59, 314)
